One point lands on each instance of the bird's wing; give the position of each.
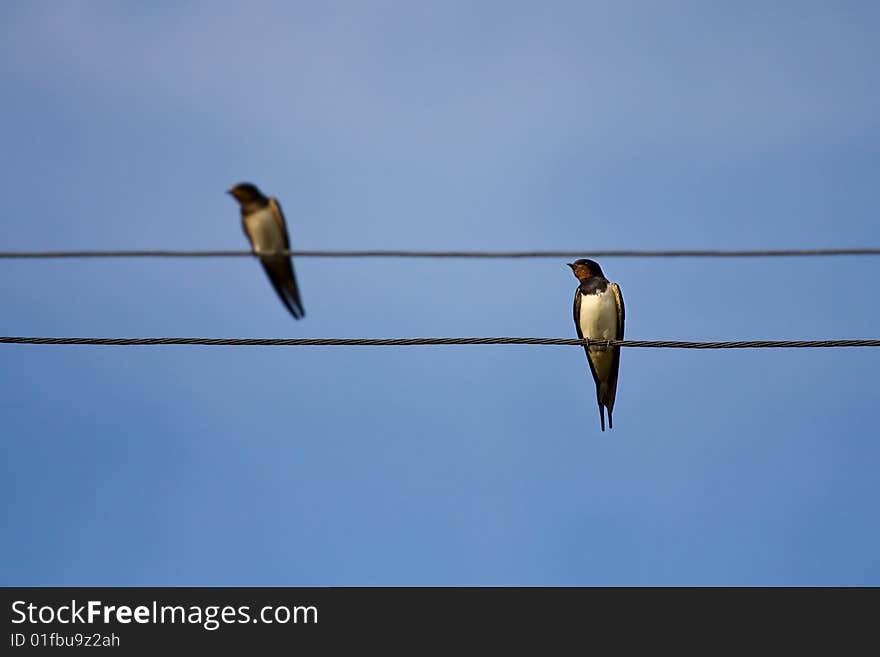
(280, 269)
(278, 216)
(621, 309)
(615, 365)
(280, 274)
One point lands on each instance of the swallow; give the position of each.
(599, 315)
(263, 223)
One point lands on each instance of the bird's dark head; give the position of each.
(584, 269)
(247, 194)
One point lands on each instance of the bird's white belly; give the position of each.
(598, 321)
(263, 231)
(598, 317)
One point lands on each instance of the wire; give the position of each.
(411, 342)
(620, 253)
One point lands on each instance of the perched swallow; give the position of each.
(599, 315)
(264, 225)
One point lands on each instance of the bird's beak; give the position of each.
(570, 264)
(229, 191)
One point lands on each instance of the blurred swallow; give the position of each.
(599, 315)
(263, 223)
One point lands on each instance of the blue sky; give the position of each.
(455, 125)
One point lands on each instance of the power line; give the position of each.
(412, 342)
(385, 253)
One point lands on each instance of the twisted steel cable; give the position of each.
(404, 253)
(412, 342)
